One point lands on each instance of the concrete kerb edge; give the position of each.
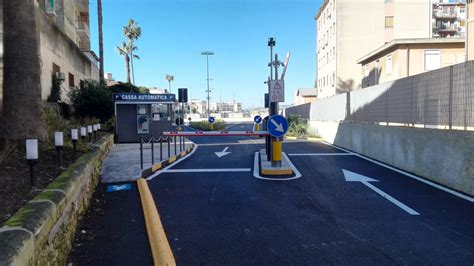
(159, 244)
(160, 165)
(53, 200)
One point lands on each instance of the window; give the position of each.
(432, 59)
(71, 80)
(56, 68)
(389, 22)
(388, 64)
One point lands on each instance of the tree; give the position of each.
(169, 78)
(123, 50)
(132, 32)
(22, 105)
(101, 42)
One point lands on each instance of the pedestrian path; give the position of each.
(123, 162)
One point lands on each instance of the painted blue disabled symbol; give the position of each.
(277, 126)
(114, 188)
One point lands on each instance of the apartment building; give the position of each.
(449, 19)
(350, 31)
(346, 29)
(64, 40)
(406, 57)
(470, 30)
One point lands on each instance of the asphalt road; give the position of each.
(215, 212)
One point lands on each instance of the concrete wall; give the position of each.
(446, 157)
(393, 123)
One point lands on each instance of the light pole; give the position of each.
(207, 54)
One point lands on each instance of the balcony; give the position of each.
(50, 8)
(82, 5)
(445, 14)
(83, 30)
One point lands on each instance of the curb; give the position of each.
(160, 247)
(307, 138)
(42, 231)
(160, 165)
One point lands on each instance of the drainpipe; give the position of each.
(408, 60)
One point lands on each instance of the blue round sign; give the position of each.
(211, 119)
(257, 119)
(277, 126)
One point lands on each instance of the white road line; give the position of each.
(391, 199)
(320, 154)
(445, 189)
(204, 170)
(256, 170)
(173, 164)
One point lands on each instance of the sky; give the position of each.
(175, 32)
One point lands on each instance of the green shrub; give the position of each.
(55, 94)
(297, 127)
(92, 100)
(206, 126)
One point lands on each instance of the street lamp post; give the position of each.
(207, 54)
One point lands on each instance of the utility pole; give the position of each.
(207, 54)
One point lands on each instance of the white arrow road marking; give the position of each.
(279, 127)
(222, 153)
(354, 177)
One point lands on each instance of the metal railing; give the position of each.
(152, 140)
(442, 99)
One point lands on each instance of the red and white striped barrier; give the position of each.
(223, 133)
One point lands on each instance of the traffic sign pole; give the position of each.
(274, 111)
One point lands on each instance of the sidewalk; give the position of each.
(123, 162)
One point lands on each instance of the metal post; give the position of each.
(74, 148)
(59, 156)
(141, 153)
(208, 90)
(274, 111)
(152, 150)
(169, 146)
(32, 163)
(180, 144)
(175, 151)
(450, 107)
(161, 148)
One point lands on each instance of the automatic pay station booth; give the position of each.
(142, 115)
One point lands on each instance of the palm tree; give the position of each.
(125, 49)
(22, 115)
(169, 78)
(101, 42)
(132, 31)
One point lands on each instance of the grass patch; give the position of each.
(206, 126)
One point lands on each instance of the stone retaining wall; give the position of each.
(42, 232)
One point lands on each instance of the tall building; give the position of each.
(470, 30)
(64, 40)
(349, 30)
(449, 19)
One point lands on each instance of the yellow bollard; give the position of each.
(276, 150)
(179, 128)
(212, 126)
(257, 127)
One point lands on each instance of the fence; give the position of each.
(442, 98)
